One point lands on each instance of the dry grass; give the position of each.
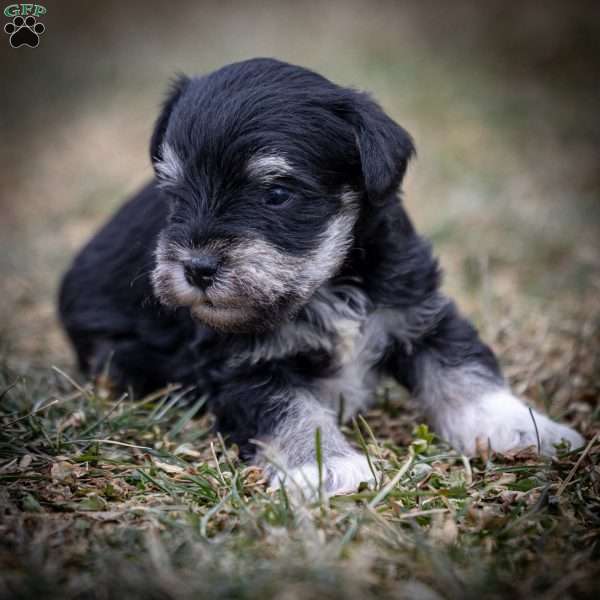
(101, 497)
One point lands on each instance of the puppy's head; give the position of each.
(266, 167)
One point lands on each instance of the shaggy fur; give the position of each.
(272, 265)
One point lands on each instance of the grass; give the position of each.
(107, 496)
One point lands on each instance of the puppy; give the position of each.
(271, 265)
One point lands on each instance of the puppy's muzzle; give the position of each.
(200, 270)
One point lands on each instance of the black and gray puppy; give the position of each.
(271, 265)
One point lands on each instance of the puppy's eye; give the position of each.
(277, 196)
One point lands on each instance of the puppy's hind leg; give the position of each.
(275, 425)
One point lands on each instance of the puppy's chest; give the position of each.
(358, 349)
(338, 358)
(301, 346)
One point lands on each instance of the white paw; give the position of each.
(341, 474)
(501, 420)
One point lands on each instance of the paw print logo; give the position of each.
(24, 32)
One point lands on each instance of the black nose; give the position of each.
(200, 270)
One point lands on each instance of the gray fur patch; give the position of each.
(289, 455)
(445, 388)
(168, 280)
(267, 167)
(340, 321)
(411, 324)
(293, 442)
(472, 409)
(169, 167)
(254, 273)
(360, 343)
(314, 330)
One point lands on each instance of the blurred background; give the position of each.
(502, 99)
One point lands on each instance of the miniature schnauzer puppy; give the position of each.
(271, 265)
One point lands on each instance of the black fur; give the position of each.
(337, 139)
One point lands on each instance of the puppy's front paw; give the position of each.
(501, 420)
(341, 474)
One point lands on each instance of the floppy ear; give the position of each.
(175, 91)
(384, 148)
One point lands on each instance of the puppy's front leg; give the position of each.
(457, 379)
(283, 419)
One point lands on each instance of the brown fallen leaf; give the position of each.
(482, 449)
(168, 468)
(444, 530)
(186, 450)
(253, 475)
(25, 461)
(63, 472)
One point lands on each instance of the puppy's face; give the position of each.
(247, 250)
(265, 183)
